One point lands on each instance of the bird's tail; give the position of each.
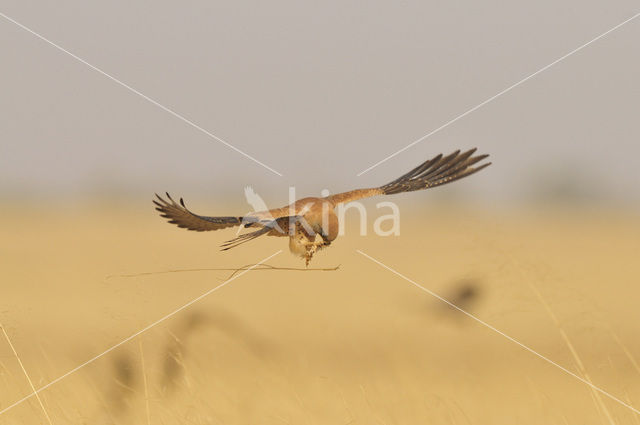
(437, 171)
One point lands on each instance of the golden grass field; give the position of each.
(359, 345)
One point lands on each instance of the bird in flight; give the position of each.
(311, 223)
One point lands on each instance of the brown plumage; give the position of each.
(311, 223)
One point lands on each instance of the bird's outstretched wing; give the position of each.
(434, 172)
(179, 214)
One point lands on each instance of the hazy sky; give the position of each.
(317, 91)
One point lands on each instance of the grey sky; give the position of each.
(319, 92)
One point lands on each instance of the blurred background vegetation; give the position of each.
(543, 244)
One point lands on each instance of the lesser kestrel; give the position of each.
(311, 223)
